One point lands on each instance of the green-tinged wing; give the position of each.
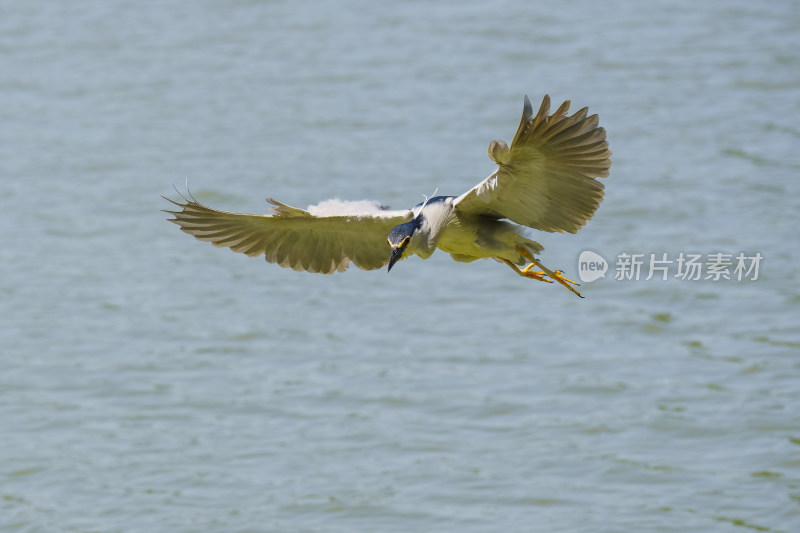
(547, 178)
(325, 242)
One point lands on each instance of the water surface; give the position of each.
(153, 383)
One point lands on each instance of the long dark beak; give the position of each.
(397, 253)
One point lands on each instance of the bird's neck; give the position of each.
(431, 221)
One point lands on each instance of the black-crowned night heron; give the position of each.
(545, 180)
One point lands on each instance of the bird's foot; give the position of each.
(558, 275)
(550, 276)
(532, 274)
(546, 275)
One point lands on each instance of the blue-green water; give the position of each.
(150, 382)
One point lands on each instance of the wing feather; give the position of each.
(547, 179)
(325, 242)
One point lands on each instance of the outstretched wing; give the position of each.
(546, 180)
(325, 238)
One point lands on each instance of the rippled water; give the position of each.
(150, 382)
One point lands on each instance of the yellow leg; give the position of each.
(556, 276)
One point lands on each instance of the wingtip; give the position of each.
(544, 109)
(190, 199)
(527, 108)
(170, 200)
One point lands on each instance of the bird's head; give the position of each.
(399, 239)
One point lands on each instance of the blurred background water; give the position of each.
(150, 382)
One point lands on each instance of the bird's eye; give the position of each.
(406, 241)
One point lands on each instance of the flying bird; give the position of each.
(546, 180)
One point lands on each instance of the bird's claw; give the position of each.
(533, 274)
(565, 281)
(557, 275)
(547, 275)
(550, 277)
(560, 276)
